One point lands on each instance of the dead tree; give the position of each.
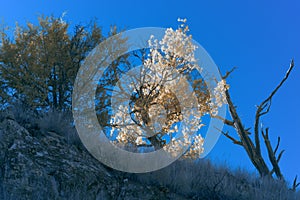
(253, 146)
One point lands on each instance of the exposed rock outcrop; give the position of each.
(47, 167)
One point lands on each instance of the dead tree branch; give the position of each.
(264, 107)
(256, 159)
(295, 184)
(228, 73)
(225, 121)
(272, 157)
(253, 148)
(235, 141)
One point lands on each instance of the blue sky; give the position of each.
(259, 37)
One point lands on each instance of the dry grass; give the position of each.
(193, 180)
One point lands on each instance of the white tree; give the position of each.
(165, 109)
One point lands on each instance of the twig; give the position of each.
(295, 184)
(228, 73)
(230, 137)
(226, 121)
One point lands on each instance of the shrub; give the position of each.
(60, 122)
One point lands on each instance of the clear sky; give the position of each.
(259, 37)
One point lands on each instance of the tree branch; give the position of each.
(295, 184)
(230, 137)
(271, 154)
(228, 73)
(226, 121)
(276, 148)
(264, 107)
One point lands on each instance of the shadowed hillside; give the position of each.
(41, 157)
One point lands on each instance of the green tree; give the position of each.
(39, 65)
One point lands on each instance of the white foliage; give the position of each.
(175, 52)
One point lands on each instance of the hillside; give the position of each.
(37, 163)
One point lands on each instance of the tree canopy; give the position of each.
(38, 65)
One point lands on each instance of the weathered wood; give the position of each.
(253, 148)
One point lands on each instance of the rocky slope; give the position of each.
(39, 163)
(47, 167)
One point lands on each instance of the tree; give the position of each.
(162, 112)
(39, 66)
(253, 146)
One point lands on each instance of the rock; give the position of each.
(47, 167)
(8, 114)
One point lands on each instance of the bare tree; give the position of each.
(253, 146)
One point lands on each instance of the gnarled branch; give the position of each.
(253, 148)
(272, 157)
(264, 107)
